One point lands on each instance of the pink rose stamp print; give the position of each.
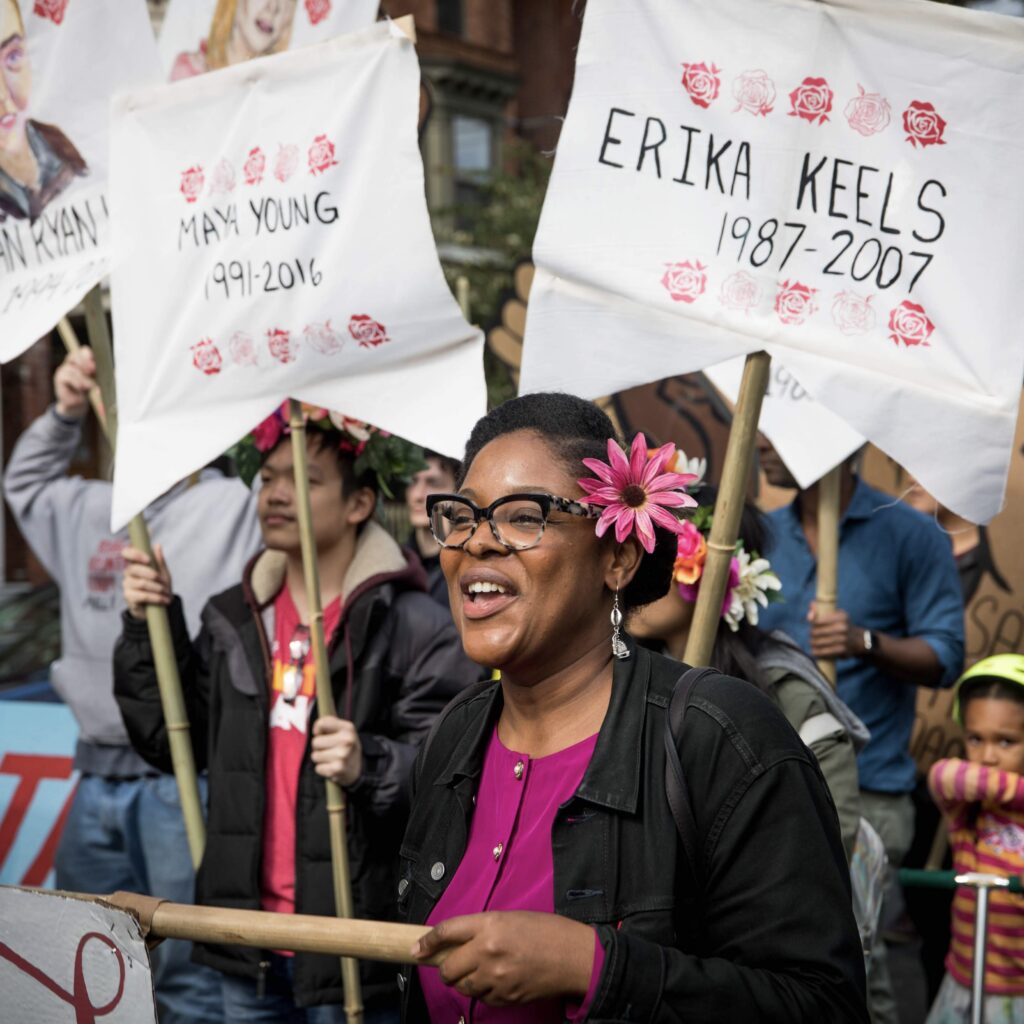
(283, 347)
(321, 155)
(812, 100)
(242, 349)
(222, 181)
(794, 302)
(254, 167)
(192, 183)
(52, 9)
(868, 112)
(910, 325)
(685, 281)
(741, 292)
(853, 314)
(286, 163)
(317, 10)
(754, 92)
(701, 83)
(206, 357)
(923, 125)
(367, 331)
(323, 338)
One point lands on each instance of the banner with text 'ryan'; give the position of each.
(60, 62)
(272, 240)
(836, 182)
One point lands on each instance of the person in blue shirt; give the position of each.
(898, 624)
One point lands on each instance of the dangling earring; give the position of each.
(619, 648)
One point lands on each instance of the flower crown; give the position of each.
(390, 458)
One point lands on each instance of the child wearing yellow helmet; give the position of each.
(982, 799)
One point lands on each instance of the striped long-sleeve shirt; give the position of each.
(984, 808)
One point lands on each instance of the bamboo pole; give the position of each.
(102, 399)
(739, 452)
(828, 554)
(324, 702)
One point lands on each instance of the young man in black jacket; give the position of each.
(250, 689)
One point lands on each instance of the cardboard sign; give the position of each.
(60, 62)
(805, 177)
(204, 35)
(71, 960)
(273, 241)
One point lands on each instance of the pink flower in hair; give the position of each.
(269, 432)
(637, 491)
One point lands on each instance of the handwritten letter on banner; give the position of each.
(272, 240)
(837, 182)
(60, 62)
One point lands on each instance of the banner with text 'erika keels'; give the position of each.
(836, 182)
(271, 240)
(60, 63)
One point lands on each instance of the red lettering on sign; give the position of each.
(32, 769)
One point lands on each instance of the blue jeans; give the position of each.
(244, 1004)
(129, 834)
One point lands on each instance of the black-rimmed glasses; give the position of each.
(516, 520)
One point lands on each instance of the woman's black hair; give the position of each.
(994, 687)
(575, 429)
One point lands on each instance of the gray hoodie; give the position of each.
(209, 530)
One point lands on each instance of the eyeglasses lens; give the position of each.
(518, 524)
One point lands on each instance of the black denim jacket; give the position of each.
(761, 930)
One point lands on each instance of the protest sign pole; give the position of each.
(168, 680)
(725, 526)
(324, 701)
(828, 554)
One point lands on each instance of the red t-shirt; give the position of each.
(286, 745)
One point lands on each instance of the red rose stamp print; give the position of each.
(206, 357)
(283, 347)
(222, 180)
(685, 281)
(254, 167)
(794, 302)
(286, 163)
(923, 125)
(317, 10)
(812, 100)
(868, 112)
(853, 314)
(192, 183)
(754, 92)
(321, 155)
(910, 325)
(242, 349)
(740, 291)
(367, 331)
(52, 9)
(701, 83)
(323, 338)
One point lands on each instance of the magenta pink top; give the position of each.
(508, 866)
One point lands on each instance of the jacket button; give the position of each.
(437, 872)
(403, 886)
(401, 982)
(518, 770)
(497, 851)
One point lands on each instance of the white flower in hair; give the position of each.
(698, 467)
(756, 579)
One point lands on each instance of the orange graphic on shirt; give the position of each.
(308, 687)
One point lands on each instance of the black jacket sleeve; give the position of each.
(138, 694)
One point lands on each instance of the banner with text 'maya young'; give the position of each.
(204, 35)
(60, 63)
(836, 182)
(271, 240)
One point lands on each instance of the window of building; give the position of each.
(449, 17)
(472, 156)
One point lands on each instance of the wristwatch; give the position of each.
(868, 641)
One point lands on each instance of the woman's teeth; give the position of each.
(486, 588)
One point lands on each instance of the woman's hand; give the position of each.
(336, 750)
(506, 957)
(146, 581)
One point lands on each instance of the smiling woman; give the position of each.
(541, 846)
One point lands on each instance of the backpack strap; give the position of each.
(675, 784)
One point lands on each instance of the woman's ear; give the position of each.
(624, 564)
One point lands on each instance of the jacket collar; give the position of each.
(612, 778)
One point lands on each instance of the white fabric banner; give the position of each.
(810, 439)
(64, 959)
(272, 240)
(202, 35)
(60, 62)
(837, 182)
